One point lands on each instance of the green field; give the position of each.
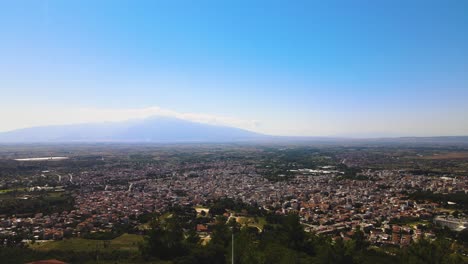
(129, 262)
(13, 189)
(259, 222)
(126, 242)
(20, 201)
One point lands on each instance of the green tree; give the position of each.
(427, 252)
(165, 240)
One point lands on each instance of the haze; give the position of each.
(302, 69)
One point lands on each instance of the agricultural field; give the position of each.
(125, 242)
(447, 156)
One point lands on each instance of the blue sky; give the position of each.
(317, 68)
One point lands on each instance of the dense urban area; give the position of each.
(267, 203)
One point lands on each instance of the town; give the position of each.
(112, 191)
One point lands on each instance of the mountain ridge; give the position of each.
(153, 129)
(173, 130)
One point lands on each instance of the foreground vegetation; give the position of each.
(171, 239)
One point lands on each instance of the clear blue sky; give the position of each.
(350, 68)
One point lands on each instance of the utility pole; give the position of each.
(232, 260)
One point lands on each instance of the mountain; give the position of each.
(155, 129)
(173, 130)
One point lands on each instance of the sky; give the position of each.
(296, 68)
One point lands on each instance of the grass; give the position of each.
(126, 242)
(129, 262)
(165, 216)
(12, 190)
(387, 249)
(54, 194)
(199, 209)
(251, 221)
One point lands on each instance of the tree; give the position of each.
(359, 239)
(425, 251)
(221, 235)
(192, 237)
(165, 240)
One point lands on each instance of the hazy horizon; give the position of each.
(339, 69)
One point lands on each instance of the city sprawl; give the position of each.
(395, 195)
